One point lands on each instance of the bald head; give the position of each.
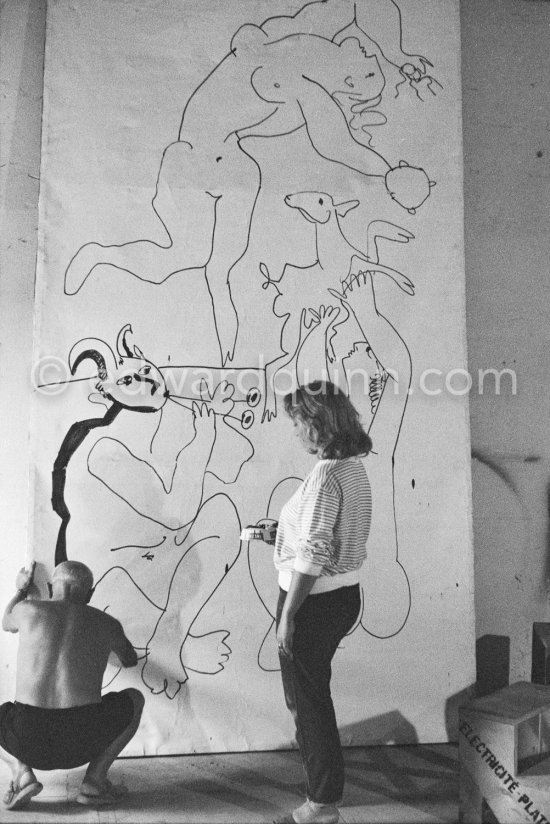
(73, 579)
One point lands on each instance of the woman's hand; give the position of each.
(285, 636)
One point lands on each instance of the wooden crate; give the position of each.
(504, 748)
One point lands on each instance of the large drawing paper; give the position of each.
(237, 197)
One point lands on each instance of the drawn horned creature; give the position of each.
(133, 507)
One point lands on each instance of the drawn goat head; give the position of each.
(127, 378)
(319, 207)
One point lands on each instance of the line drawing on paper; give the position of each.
(382, 354)
(302, 299)
(262, 575)
(317, 70)
(326, 72)
(385, 357)
(161, 588)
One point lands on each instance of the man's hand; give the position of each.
(24, 579)
(121, 646)
(23, 582)
(285, 636)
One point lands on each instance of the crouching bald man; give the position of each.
(59, 719)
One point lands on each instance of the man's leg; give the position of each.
(95, 787)
(23, 786)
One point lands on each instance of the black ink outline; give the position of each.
(346, 150)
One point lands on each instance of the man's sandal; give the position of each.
(18, 797)
(107, 793)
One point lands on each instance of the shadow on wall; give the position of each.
(492, 673)
(388, 728)
(545, 583)
(492, 664)
(502, 557)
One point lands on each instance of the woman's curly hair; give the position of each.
(331, 420)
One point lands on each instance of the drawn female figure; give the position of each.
(378, 374)
(384, 358)
(277, 78)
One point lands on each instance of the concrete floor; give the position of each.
(384, 784)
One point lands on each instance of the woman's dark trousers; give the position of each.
(320, 624)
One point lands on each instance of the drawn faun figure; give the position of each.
(277, 78)
(133, 507)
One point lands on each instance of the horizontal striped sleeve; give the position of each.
(318, 513)
(324, 527)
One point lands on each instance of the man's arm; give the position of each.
(121, 646)
(23, 583)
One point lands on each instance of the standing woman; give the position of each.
(320, 546)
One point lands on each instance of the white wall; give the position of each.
(506, 76)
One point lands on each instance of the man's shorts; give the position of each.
(62, 739)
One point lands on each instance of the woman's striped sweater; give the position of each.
(323, 529)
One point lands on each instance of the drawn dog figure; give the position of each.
(303, 298)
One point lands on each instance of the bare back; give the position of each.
(63, 651)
